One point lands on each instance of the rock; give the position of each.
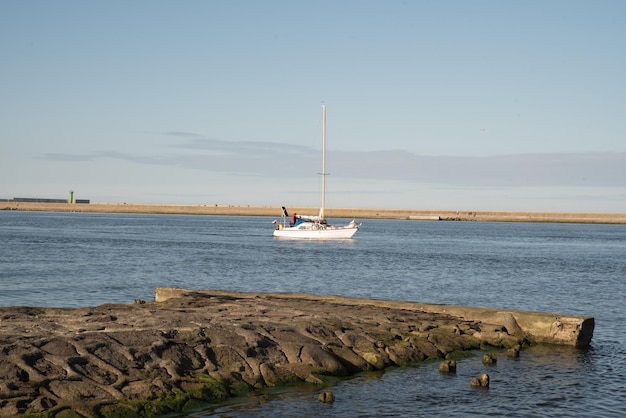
(490, 359)
(326, 397)
(481, 381)
(375, 359)
(447, 366)
(206, 346)
(513, 352)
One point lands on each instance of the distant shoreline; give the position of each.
(359, 213)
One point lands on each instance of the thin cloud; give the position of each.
(182, 134)
(59, 156)
(562, 169)
(252, 148)
(275, 160)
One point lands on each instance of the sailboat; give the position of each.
(314, 227)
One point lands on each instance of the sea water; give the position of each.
(83, 259)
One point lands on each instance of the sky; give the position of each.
(460, 105)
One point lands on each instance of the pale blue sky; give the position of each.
(469, 105)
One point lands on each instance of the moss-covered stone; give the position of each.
(209, 388)
(63, 413)
(68, 413)
(195, 405)
(459, 355)
(375, 360)
(239, 388)
(30, 414)
(120, 410)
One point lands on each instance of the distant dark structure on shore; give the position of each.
(41, 200)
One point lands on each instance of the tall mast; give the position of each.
(321, 215)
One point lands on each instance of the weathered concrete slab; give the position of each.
(204, 346)
(541, 327)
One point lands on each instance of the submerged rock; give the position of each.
(481, 381)
(326, 397)
(447, 366)
(514, 351)
(490, 358)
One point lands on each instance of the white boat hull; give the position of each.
(317, 232)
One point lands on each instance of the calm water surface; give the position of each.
(78, 259)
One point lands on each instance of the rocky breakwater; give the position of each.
(193, 347)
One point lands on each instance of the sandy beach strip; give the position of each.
(358, 213)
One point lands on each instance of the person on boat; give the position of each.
(293, 219)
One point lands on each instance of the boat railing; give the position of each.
(286, 221)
